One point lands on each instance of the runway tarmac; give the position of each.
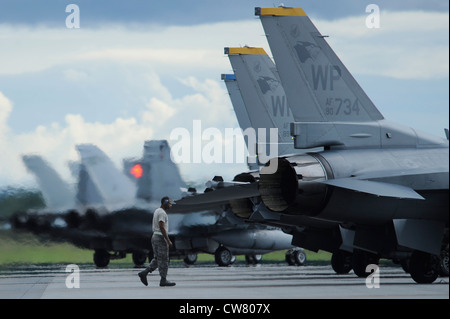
(266, 281)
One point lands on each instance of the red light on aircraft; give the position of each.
(136, 171)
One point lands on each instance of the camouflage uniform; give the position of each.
(160, 250)
(161, 256)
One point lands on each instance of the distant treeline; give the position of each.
(18, 199)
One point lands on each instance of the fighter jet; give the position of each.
(214, 230)
(112, 213)
(385, 185)
(248, 87)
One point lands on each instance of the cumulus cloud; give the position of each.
(123, 137)
(5, 110)
(392, 49)
(401, 48)
(192, 57)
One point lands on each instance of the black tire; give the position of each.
(223, 256)
(424, 267)
(341, 262)
(290, 258)
(443, 265)
(190, 259)
(252, 259)
(405, 265)
(360, 260)
(101, 258)
(300, 257)
(139, 258)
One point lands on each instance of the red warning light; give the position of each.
(136, 171)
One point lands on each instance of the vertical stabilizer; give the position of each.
(318, 86)
(241, 114)
(57, 193)
(262, 93)
(155, 174)
(115, 188)
(87, 192)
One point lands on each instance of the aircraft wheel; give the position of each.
(443, 265)
(101, 258)
(405, 264)
(290, 257)
(253, 259)
(190, 259)
(361, 259)
(139, 258)
(223, 256)
(341, 262)
(300, 257)
(424, 267)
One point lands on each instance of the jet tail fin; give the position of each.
(113, 186)
(318, 86)
(156, 174)
(263, 95)
(87, 192)
(57, 193)
(241, 114)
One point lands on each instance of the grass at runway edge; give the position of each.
(24, 248)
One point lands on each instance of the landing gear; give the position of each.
(139, 258)
(296, 256)
(424, 267)
(190, 259)
(253, 259)
(443, 265)
(361, 259)
(341, 262)
(101, 258)
(223, 256)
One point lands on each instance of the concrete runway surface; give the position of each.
(266, 281)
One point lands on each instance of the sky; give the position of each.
(136, 70)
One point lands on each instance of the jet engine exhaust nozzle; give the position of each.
(294, 188)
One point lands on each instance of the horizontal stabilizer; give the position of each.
(221, 195)
(374, 188)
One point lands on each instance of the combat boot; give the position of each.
(165, 283)
(143, 276)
